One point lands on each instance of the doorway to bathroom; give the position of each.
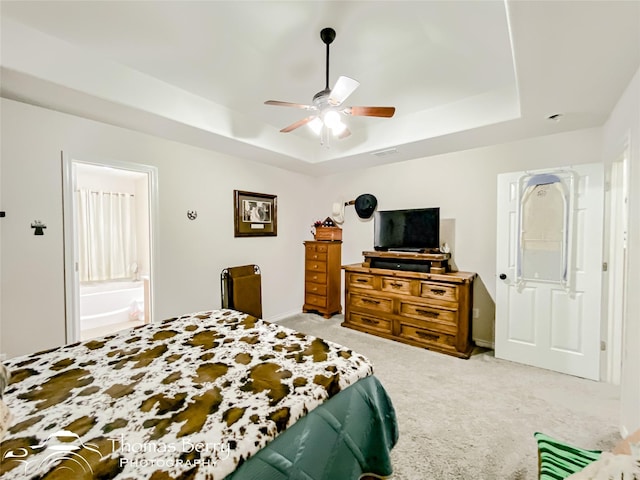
(108, 246)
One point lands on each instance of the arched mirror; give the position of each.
(544, 232)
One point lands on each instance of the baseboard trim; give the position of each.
(484, 344)
(282, 316)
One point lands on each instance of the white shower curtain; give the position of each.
(106, 235)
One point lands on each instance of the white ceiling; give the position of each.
(461, 74)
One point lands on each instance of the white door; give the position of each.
(547, 323)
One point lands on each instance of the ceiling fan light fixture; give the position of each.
(338, 129)
(331, 119)
(316, 125)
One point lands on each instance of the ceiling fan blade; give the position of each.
(298, 124)
(278, 103)
(344, 87)
(386, 112)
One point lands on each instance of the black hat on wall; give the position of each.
(365, 205)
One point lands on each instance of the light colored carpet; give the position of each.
(475, 419)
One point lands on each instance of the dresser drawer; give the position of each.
(316, 266)
(378, 324)
(316, 248)
(378, 304)
(448, 293)
(315, 288)
(444, 319)
(316, 256)
(396, 285)
(427, 337)
(361, 280)
(315, 277)
(316, 300)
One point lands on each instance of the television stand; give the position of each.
(425, 309)
(408, 261)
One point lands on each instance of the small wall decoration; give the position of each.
(192, 214)
(255, 214)
(39, 227)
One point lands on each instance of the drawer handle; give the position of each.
(314, 289)
(373, 302)
(396, 285)
(370, 322)
(315, 277)
(438, 291)
(428, 336)
(362, 280)
(315, 265)
(427, 313)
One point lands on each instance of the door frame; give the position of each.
(615, 282)
(71, 280)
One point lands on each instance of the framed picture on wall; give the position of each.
(255, 214)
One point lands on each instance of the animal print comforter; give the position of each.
(193, 397)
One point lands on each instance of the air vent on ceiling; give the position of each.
(384, 153)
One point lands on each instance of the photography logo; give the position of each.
(60, 451)
(150, 454)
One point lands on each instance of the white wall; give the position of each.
(623, 127)
(463, 185)
(191, 254)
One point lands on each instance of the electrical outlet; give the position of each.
(476, 313)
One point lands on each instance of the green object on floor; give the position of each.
(558, 460)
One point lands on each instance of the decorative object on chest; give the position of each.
(326, 230)
(418, 303)
(322, 280)
(328, 233)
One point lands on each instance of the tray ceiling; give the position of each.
(460, 74)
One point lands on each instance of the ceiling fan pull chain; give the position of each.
(324, 136)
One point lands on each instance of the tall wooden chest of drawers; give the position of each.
(427, 310)
(322, 277)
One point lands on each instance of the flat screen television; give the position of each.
(412, 230)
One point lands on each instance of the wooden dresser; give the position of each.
(322, 277)
(429, 310)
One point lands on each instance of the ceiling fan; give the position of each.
(327, 104)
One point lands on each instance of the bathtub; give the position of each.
(107, 303)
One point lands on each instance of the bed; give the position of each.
(210, 395)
